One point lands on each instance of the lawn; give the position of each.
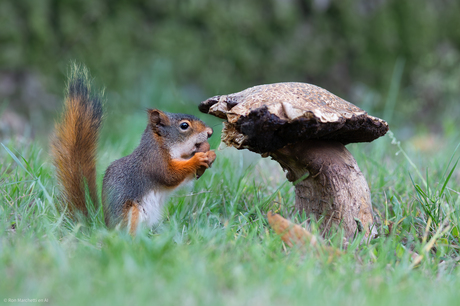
(214, 245)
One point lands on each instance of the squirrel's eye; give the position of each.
(184, 125)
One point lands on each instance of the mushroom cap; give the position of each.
(265, 118)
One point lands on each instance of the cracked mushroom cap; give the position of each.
(265, 118)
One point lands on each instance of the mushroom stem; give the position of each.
(334, 188)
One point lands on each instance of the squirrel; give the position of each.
(173, 149)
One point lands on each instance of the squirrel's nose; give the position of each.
(209, 131)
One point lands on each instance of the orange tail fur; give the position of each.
(74, 145)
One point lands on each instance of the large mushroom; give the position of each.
(305, 129)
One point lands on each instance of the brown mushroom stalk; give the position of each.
(305, 129)
(334, 189)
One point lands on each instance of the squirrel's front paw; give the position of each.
(202, 159)
(211, 157)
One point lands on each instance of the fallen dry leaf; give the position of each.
(290, 233)
(293, 234)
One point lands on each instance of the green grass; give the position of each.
(214, 245)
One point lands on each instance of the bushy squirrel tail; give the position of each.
(74, 144)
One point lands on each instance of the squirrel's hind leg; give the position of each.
(131, 216)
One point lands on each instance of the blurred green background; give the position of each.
(398, 59)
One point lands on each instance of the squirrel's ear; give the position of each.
(158, 118)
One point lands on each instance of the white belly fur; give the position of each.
(151, 205)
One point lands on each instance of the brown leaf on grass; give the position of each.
(293, 234)
(290, 233)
